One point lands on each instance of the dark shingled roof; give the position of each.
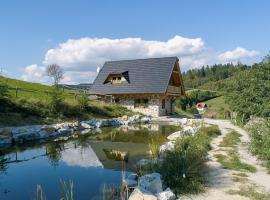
(145, 76)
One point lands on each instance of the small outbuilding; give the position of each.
(149, 86)
(201, 106)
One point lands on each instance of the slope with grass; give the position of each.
(217, 108)
(32, 105)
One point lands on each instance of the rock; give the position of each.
(168, 146)
(189, 130)
(166, 195)
(175, 135)
(63, 131)
(84, 125)
(145, 119)
(134, 119)
(131, 180)
(86, 131)
(151, 183)
(116, 122)
(6, 132)
(124, 118)
(48, 129)
(141, 194)
(43, 134)
(5, 140)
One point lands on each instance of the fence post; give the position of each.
(17, 91)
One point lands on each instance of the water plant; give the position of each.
(66, 190)
(154, 148)
(40, 195)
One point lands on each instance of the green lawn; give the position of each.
(35, 91)
(217, 108)
(34, 106)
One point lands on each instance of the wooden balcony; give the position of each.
(174, 90)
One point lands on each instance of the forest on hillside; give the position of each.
(245, 88)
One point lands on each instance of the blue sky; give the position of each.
(208, 32)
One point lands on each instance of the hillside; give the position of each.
(33, 104)
(243, 88)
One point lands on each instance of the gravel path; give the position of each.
(221, 180)
(260, 178)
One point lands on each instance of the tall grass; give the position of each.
(153, 147)
(184, 169)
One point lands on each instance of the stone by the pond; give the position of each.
(166, 195)
(175, 135)
(84, 125)
(5, 132)
(131, 180)
(35, 132)
(43, 134)
(189, 130)
(168, 146)
(141, 194)
(5, 140)
(151, 182)
(63, 131)
(145, 119)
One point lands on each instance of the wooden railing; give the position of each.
(173, 89)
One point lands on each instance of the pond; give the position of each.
(87, 161)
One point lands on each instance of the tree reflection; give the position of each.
(53, 152)
(3, 165)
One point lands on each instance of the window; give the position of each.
(116, 79)
(142, 103)
(163, 103)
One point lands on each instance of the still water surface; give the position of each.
(82, 160)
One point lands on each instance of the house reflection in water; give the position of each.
(80, 156)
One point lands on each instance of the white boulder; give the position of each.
(145, 119)
(151, 182)
(141, 194)
(168, 146)
(166, 195)
(174, 136)
(189, 130)
(84, 125)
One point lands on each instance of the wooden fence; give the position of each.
(46, 92)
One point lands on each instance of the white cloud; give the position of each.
(35, 73)
(80, 58)
(238, 54)
(73, 77)
(90, 53)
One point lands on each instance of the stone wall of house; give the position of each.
(167, 110)
(154, 107)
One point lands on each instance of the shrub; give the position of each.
(260, 141)
(83, 102)
(183, 169)
(3, 91)
(56, 102)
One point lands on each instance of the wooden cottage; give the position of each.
(148, 86)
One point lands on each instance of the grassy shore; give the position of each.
(32, 105)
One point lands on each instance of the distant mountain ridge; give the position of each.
(81, 86)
